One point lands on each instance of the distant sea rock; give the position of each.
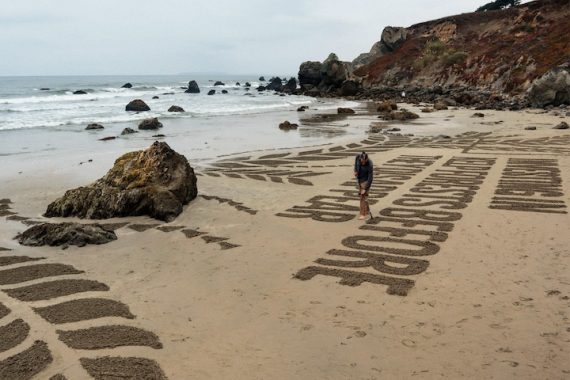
(137, 105)
(155, 182)
(150, 124)
(128, 131)
(65, 234)
(79, 92)
(224, 91)
(291, 85)
(94, 126)
(127, 85)
(211, 92)
(262, 79)
(175, 109)
(286, 126)
(219, 83)
(193, 88)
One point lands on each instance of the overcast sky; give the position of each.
(69, 37)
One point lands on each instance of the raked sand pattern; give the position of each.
(462, 271)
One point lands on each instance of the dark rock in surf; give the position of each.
(128, 131)
(137, 105)
(79, 92)
(286, 126)
(175, 109)
(219, 83)
(193, 88)
(127, 85)
(211, 92)
(94, 126)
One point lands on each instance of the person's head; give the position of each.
(363, 157)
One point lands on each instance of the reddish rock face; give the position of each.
(502, 51)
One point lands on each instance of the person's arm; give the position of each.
(370, 176)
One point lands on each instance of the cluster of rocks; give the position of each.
(335, 78)
(332, 77)
(155, 182)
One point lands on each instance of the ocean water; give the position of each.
(43, 102)
(43, 131)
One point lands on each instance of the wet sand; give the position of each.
(462, 273)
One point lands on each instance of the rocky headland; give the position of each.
(499, 59)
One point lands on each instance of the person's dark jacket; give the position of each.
(364, 172)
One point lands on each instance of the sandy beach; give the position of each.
(462, 272)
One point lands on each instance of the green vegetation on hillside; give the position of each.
(498, 4)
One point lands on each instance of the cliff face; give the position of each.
(503, 51)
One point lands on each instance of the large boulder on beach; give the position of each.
(137, 105)
(193, 88)
(155, 182)
(65, 234)
(553, 88)
(150, 124)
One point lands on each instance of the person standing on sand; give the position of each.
(364, 173)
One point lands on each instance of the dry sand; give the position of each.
(245, 283)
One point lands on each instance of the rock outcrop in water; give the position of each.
(175, 109)
(155, 182)
(65, 234)
(327, 76)
(127, 85)
(137, 105)
(193, 88)
(94, 126)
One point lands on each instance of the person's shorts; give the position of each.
(363, 187)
